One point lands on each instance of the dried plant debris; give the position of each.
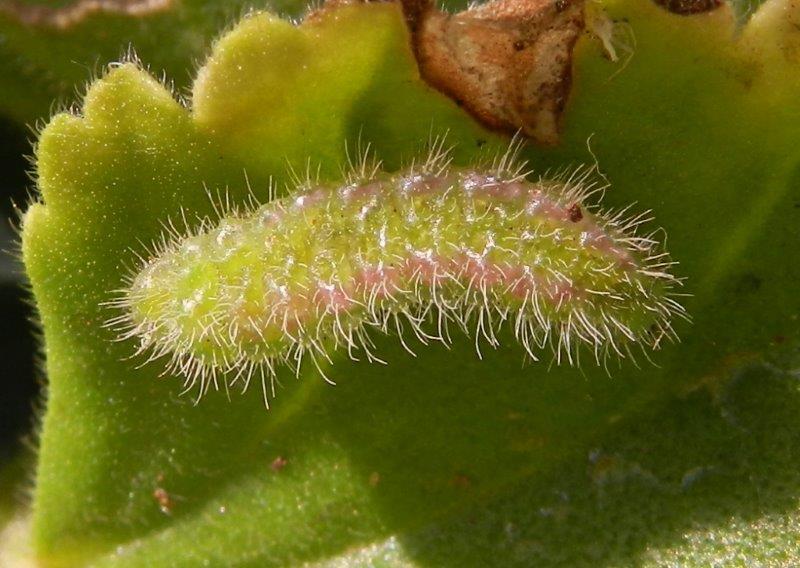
(508, 62)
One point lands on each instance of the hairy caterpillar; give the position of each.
(422, 250)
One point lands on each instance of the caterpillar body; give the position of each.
(424, 250)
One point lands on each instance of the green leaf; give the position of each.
(703, 481)
(695, 125)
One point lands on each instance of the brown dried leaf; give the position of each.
(508, 62)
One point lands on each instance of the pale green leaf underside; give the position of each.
(696, 127)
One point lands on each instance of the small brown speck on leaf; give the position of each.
(461, 480)
(278, 463)
(163, 499)
(688, 7)
(508, 62)
(575, 213)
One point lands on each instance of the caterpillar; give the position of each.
(424, 250)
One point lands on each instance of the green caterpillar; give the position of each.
(422, 250)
